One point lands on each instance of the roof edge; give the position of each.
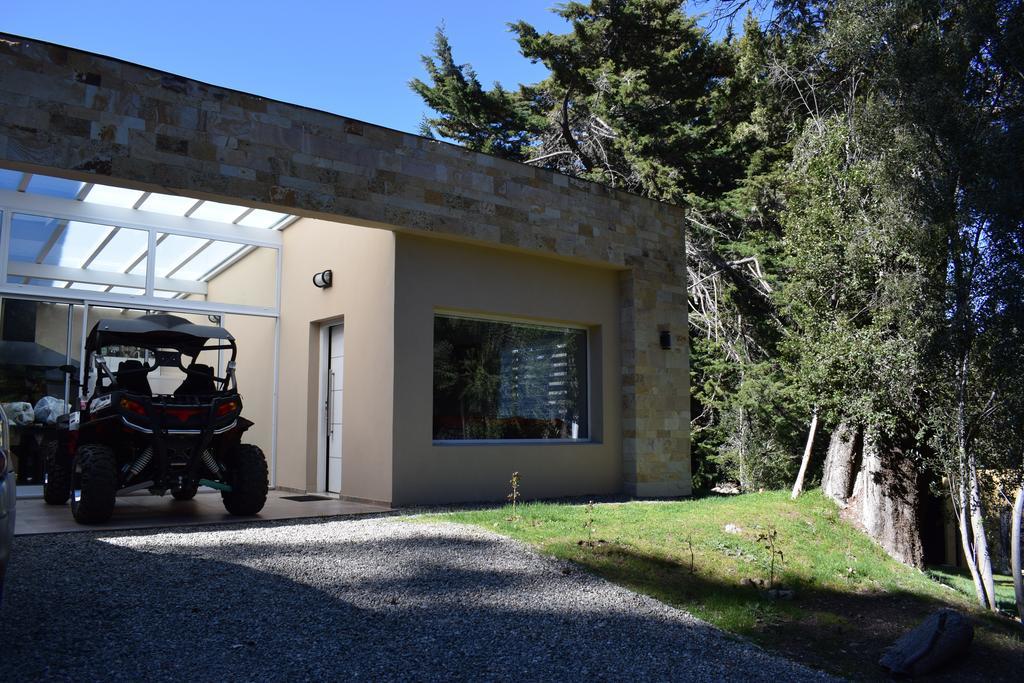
(14, 38)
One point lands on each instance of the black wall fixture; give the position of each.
(324, 279)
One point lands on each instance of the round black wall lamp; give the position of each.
(323, 280)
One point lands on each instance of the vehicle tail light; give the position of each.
(133, 406)
(227, 408)
(182, 414)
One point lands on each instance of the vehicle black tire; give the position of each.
(247, 475)
(93, 484)
(187, 493)
(56, 474)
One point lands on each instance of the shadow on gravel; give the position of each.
(422, 607)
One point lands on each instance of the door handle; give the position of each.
(327, 403)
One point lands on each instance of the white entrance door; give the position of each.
(335, 370)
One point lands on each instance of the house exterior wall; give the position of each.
(433, 275)
(363, 263)
(86, 116)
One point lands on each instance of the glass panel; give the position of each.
(260, 218)
(122, 250)
(9, 180)
(208, 259)
(113, 196)
(169, 204)
(54, 187)
(34, 389)
(215, 211)
(102, 251)
(173, 250)
(77, 242)
(503, 380)
(232, 273)
(29, 234)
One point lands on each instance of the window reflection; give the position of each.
(508, 381)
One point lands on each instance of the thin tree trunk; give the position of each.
(837, 474)
(1015, 563)
(963, 521)
(741, 448)
(984, 559)
(798, 487)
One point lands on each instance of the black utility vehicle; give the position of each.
(126, 438)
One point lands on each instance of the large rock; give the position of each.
(941, 637)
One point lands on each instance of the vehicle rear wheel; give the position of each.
(247, 475)
(185, 492)
(56, 474)
(93, 484)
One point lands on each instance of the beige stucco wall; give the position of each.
(362, 260)
(435, 274)
(252, 281)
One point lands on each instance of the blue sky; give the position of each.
(350, 58)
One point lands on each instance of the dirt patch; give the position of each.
(848, 634)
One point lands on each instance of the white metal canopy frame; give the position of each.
(67, 240)
(103, 246)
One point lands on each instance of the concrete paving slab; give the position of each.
(144, 511)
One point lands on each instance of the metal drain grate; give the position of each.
(305, 499)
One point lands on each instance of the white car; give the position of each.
(8, 496)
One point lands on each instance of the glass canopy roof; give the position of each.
(88, 255)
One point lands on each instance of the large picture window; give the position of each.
(498, 380)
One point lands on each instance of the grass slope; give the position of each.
(851, 599)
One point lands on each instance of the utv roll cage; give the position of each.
(168, 338)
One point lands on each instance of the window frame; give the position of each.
(527, 322)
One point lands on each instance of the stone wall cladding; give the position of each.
(93, 117)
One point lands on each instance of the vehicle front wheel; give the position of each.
(93, 484)
(247, 475)
(56, 474)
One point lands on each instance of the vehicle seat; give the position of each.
(198, 381)
(131, 376)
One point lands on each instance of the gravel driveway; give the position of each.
(374, 599)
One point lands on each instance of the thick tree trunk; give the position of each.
(1015, 561)
(885, 502)
(799, 485)
(837, 478)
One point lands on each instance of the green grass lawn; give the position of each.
(960, 579)
(851, 599)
